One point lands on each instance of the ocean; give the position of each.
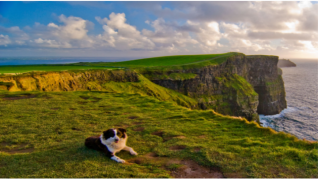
(300, 118)
(57, 60)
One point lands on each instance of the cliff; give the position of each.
(232, 83)
(117, 81)
(241, 86)
(285, 63)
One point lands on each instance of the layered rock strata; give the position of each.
(65, 81)
(241, 86)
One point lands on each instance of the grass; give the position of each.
(29, 68)
(168, 62)
(52, 126)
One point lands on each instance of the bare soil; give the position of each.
(28, 96)
(177, 147)
(139, 129)
(184, 169)
(191, 169)
(133, 117)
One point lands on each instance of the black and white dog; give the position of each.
(110, 142)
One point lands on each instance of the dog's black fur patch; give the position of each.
(95, 143)
(109, 133)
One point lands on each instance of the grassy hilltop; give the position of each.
(156, 62)
(42, 133)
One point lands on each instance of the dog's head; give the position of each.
(114, 135)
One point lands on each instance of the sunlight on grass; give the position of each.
(52, 126)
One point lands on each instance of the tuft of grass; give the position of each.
(52, 126)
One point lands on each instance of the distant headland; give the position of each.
(285, 63)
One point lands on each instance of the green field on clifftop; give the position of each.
(29, 68)
(169, 62)
(42, 136)
(165, 62)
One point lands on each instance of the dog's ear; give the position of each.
(109, 133)
(122, 130)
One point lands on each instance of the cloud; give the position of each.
(183, 27)
(74, 28)
(4, 40)
(121, 35)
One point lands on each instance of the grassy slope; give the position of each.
(146, 88)
(56, 124)
(28, 68)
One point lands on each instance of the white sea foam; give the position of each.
(300, 118)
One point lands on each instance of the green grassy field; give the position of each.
(165, 62)
(170, 62)
(28, 68)
(42, 135)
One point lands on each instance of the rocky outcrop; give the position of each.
(285, 63)
(65, 81)
(241, 86)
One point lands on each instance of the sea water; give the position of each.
(300, 118)
(57, 60)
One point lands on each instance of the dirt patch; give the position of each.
(191, 169)
(139, 129)
(197, 149)
(122, 126)
(82, 102)
(84, 97)
(27, 96)
(133, 117)
(236, 175)
(202, 136)
(96, 99)
(126, 113)
(19, 149)
(178, 168)
(104, 106)
(177, 147)
(181, 137)
(72, 109)
(161, 134)
(151, 155)
(76, 129)
(158, 133)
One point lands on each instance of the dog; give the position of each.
(110, 142)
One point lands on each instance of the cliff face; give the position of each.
(65, 81)
(242, 86)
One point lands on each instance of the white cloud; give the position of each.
(121, 35)
(188, 27)
(4, 40)
(74, 28)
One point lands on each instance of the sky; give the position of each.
(288, 29)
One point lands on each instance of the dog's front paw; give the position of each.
(119, 160)
(132, 152)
